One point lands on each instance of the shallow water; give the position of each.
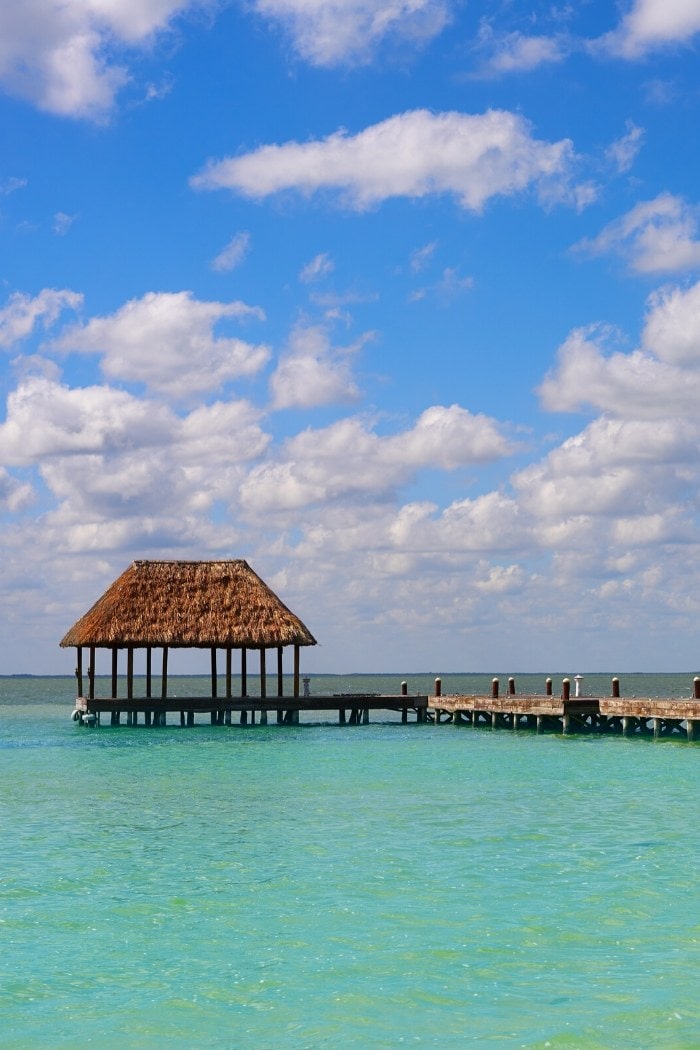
(323, 886)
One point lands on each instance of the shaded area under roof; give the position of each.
(189, 604)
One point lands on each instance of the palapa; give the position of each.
(189, 604)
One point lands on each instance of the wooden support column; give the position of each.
(296, 671)
(244, 671)
(263, 675)
(280, 682)
(214, 675)
(79, 670)
(91, 672)
(130, 672)
(149, 676)
(227, 714)
(115, 661)
(404, 710)
(164, 677)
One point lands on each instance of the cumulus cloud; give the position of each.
(130, 464)
(15, 495)
(59, 55)
(22, 313)
(312, 372)
(233, 254)
(652, 24)
(349, 460)
(167, 341)
(657, 236)
(336, 32)
(413, 155)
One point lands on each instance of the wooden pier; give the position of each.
(657, 717)
(351, 709)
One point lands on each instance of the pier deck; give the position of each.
(352, 708)
(657, 717)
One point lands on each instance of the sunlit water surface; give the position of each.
(323, 886)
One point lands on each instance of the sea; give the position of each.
(319, 886)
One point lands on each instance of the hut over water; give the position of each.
(188, 604)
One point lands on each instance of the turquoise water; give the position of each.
(324, 886)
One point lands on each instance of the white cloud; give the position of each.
(62, 223)
(320, 266)
(414, 154)
(516, 52)
(312, 372)
(23, 312)
(11, 184)
(652, 24)
(167, 341)
(233, 254)
(422, 256)
(622, 153)
(334, 32)
(57, 54)
(672, 328)
(15, 495)
(657, 236)
(349, 461)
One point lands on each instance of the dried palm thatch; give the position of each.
(189, 604)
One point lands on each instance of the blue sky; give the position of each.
(398, 300)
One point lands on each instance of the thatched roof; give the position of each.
(189, 604)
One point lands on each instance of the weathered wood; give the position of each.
(263, 674)
(130, 671)
(149, 669)
(164, 675)
(115, 676)
(244, 671)
(280, 671)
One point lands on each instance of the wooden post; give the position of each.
(548, 686)
(438, 687)
(149, 669)
(91, 672)
(79, 670)
(691, 726)
(227, 713)
(565, 689)
(164, 678)
(494, 688)
(280, 682)
(263, 674)
(214, 674)
(296, 671)
(658, 724)
(696, 688)
(244, 673)
(615, 687)
(404, 710)
(115, 652)
(130, 672)
(511, 687)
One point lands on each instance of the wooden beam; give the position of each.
(280, 675)
(228, 671)
(244, 671)
(115, 659)
(164, 678)
(263, 674)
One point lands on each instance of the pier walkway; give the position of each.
(351, 708)
(572, 714)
